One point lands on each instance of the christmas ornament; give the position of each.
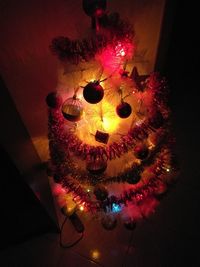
(130, 224)
(100, 192)
(101, 137)
(133, 176)
(141, 151)
(97, 166)
(156, 119)
(94, 8)
(93, 92)
(123, 110)
(53, 100)
(140, 80)
(72, 109)
(109, 222)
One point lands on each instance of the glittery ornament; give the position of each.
(72, 109)
(97, 166)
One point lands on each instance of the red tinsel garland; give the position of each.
(114, 29)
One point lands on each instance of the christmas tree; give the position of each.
(110, 137)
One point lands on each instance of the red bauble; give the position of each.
(109, 222)
(100, 192)
(53, 100)
(96, 167)
(130, 224)
(124, 110)
(93, 92)
(141, 151)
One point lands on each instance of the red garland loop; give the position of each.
(69, 142)
(80, 196)
(75, 51)
(87, 152)
(61, 143)
(135, 196)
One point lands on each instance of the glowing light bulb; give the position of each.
(116, 208)
(95, 254)
(122, 52)
(167, 170)
(81, 208)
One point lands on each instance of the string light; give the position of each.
(95, 254)
(116, 208)
(120, 50)
(81, 208)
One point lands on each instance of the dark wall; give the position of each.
(181, 69)
(22, 214)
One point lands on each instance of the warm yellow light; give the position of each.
(95, 254)
(110, 120)
(102, 117)
(167, 170)
(109, 124)
(81, 208)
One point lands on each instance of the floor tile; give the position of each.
(102, 246)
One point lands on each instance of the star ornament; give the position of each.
(140, 80)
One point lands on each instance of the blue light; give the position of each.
(116, 208)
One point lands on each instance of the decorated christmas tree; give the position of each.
(110, 137)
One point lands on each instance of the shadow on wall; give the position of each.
(22, 215)
(19, 203)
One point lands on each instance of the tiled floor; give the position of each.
(167, 239)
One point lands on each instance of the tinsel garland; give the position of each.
(68, 167)
(149, 189)
(63, 142)
(72, 143)
(114, 30)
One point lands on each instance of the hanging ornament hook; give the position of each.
(94, 9)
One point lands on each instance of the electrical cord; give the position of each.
(72, 244)
(128, 248)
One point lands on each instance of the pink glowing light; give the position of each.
(120, 50)
(112, 57)
(58, 189)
